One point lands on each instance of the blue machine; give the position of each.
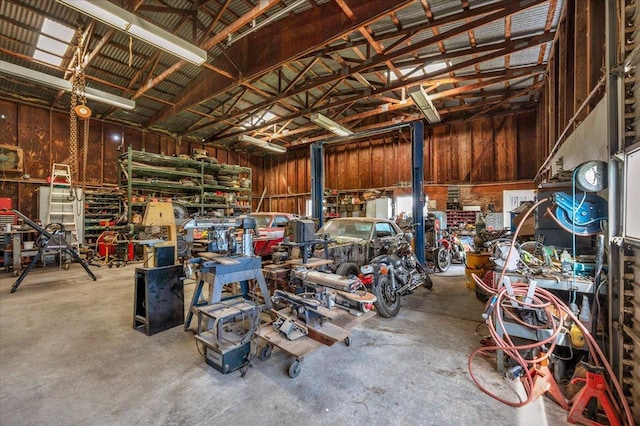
(590, 213)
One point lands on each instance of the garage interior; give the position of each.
(485, 150)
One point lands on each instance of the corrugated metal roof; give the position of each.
(525, 57)
(441, 8)
(21, 20)
(490, 32)
(529, 20)
(492, 65)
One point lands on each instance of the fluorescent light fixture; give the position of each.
(61, 84)
(262, 144)
(424, 104)
(166, 41)
(104, 11)
(114, 16)
(329, 124)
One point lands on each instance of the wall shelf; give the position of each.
(101, 210)
(202, 187)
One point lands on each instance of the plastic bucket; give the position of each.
(28, 245)
(477, 263)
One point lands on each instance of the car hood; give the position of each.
(343, 240)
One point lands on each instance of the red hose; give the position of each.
(542, 299)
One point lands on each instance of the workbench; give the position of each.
(554, 282)
(13, 251)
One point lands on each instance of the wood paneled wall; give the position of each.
(488, 152)
(43, 134)
(480, 155)
(576, 65)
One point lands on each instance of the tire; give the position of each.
(388, 303)
(442, 259)
(347, 269)
(265, 353)
(427, 282)
(294, 369)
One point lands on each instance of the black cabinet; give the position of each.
(158, 299)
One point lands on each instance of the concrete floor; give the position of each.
(69, 355)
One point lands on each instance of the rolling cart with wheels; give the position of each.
(336, 330)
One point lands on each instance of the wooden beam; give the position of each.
(270, 48)
(513, 46)
(581, 58)
(507, 99)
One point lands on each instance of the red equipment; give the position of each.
(595, 387)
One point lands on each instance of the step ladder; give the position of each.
(62, 207)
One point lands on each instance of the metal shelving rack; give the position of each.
(101, 210)
(157, 176)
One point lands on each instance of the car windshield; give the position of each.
(262, 221)
(347, 228)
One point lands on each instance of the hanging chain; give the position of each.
(78, 97)
(73, 127)
(83, 101)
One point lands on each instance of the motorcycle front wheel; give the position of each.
(388, 303)
(442, 259)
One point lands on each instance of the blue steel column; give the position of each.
(317, 181)
(417, 190)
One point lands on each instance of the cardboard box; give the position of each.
(529, 226)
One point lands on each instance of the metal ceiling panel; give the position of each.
(490, 33)
(525, 57)
(529, 21)
(22, 19)
(411, 14)
(441, 8)
(522, 83)
(492, 65)
(457, 43)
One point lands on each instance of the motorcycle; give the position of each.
(449, 249)
(393, 275)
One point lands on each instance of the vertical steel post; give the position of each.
(317, 181)
(615, 286)
(417, 187)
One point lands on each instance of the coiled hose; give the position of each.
(551, 305)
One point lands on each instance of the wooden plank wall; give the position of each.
(576, 65)
(43, 135)
(481, 155)
(484, 151)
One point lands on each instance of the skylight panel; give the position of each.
(58, 31)
(53, 42)
(405, 71)
(47, 57)
(258, 120)
(52, 46)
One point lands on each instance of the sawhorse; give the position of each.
(226, 270)
(50, 242)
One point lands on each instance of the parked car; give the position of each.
(355, 241)
(270, 230)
